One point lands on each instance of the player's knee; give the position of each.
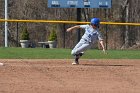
(73, 52)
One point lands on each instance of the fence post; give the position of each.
(17, 36)
(64, 35)
(106, 29)
(78, 19)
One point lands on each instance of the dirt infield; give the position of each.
(59, 76)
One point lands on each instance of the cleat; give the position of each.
(75, 63)
(1, 64)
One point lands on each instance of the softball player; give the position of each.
(90, 36)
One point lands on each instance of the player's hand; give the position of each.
(69, 29)
(104, 51)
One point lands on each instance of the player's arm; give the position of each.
(102, 44)
(73, 27)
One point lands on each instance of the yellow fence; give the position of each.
(68, 22)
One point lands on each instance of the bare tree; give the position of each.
(125, 18)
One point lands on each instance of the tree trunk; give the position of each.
(125, 18)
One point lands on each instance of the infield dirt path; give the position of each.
(59, 76)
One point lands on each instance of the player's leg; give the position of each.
(78, 50)
(79, 53)
(80, 47)
(74, 51)
(76, 55)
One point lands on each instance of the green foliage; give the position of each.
(52, 36)
(24, 34)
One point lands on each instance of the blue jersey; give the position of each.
(91, 35)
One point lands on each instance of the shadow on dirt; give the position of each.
(104, 65)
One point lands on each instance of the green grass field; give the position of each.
(46, 53)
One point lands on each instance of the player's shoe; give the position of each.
(1, 64)
(75, 63)
(77, 56)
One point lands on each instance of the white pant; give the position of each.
(81, 47)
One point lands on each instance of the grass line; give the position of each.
(46, 53)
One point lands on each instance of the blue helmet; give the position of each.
(95, 22)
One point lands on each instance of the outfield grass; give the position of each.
(46, 53)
